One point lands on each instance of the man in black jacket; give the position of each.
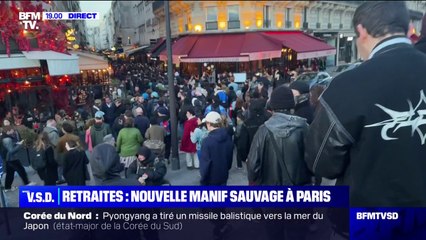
(276, 153)
(369, 130)
(249, 128)
(108, 108)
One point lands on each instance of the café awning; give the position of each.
(247, 46)
(88, 61)
(17, 61)
(304, 45)
(180, 48)
(217, 48)
(135, 50)
(58, 63)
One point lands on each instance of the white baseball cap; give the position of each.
(212, 117)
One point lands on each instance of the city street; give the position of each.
(181, 177)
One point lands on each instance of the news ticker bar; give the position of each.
(182, 197)
(58, 16)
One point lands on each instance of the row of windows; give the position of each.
(234, 13)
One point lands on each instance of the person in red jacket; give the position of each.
(186, 145)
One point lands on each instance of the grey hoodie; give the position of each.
(283, 125)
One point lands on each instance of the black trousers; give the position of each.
(11, 167)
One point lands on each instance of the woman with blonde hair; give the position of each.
(44, 151)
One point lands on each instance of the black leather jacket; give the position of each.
(263, 160)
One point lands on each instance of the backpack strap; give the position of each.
(280, 153)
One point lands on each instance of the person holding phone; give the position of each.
(13, 145)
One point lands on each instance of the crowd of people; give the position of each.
(283, 131)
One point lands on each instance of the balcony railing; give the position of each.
(234, 24)
(211, 25)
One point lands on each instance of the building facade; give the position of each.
(78, 27)
(328, 20)
(126, 23)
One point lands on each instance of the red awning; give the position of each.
(244, 47)
(217, 48)
(180, 48)
(305, 45)
(258, 47)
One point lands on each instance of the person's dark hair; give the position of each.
(216, 101)
(153, 121)
(128, 113)
(128, 123)
(255, 94)
(161, 102)
(239, 103)
(382, 18)
(67, 127)
(191, 111)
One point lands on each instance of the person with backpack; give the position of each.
(52, 132)
(215, 107)
(223, 98)
(152, 104)
(99, 130)
(43, 160)
(155, 138)
(119, 123)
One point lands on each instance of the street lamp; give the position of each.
(173, 116)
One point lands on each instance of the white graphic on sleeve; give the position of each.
(414, 118)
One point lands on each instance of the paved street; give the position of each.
(182, 177)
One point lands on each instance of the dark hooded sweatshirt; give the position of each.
(216, 157)
(152, 166)
(106, 167)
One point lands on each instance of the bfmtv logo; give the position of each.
(29, 19)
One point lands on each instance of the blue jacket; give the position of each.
(216, 157)
(198, 136)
